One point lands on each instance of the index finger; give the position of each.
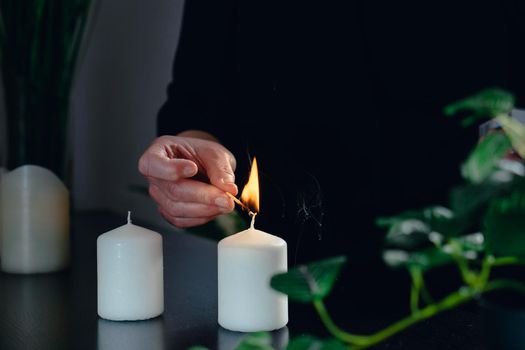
(157, 163)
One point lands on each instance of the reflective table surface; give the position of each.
(59, 311)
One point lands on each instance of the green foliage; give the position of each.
(431, 214)
(471, 200)
(307, 342)
(412, 229)
(256, 341)
(515, 132)
(484, 159)
(474, 242)
(409, 233)
(425, 259)
(486, 104)
(504, 225)
(40, 42)
(307, 283)
(198, 348)
(492, 200)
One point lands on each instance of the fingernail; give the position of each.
(222, 202)
(188, 171)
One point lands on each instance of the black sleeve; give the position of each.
(200, 93)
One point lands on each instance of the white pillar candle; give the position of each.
(246, 263)
(35, 221)
(129, 270)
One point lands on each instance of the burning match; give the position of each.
(251, 213)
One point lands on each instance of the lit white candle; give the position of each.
(35, 221)
(246, 263)
(129, 270)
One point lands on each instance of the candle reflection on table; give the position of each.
(33, 309)
(137, 335)
(228, 340)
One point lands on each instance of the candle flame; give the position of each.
(250, 193)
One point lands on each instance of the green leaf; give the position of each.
(307, 283)
(424, 259)
(483, 160)
(470, 202)
(412, 229)
(408, 234)
(515, 131)
(504, 225)
(256, 341)
(198, 347)
(433, 214)
(307, 342)
(304, 342)
(488, 103)
(430, 258)
(474, 242)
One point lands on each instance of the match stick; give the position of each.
(240, 203)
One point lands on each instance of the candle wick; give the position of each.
(244, 206)
(129, 216)
(252, 214)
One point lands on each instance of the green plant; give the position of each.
(39, 45)
(483, 229)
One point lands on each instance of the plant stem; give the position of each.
(334, 329)
(449, 302)
(484, 274)
(505, 284)
(507, 260)
(466, 274)
(427, 298)
(455, 299)
(414, 299)
(415, 290)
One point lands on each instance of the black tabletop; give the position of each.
(59, 311)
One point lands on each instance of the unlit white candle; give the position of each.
(246, 262)
(129, 269)
(35, 221)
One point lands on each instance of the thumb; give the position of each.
(219, 167)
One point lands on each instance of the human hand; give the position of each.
(188, 178)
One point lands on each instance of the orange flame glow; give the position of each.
(250, 193)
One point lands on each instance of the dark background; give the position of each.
(342, 104)
(341, 101)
